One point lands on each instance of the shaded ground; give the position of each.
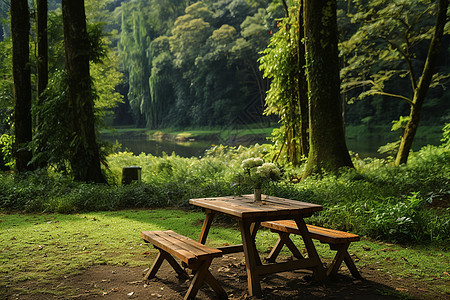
(121, 282)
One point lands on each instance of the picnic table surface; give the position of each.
(269, 208)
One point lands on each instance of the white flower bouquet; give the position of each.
(257, 172)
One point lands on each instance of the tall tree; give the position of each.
(328, 150)
(302, 83)
(20, 30)
(42, 45)
(388, 56)
(421, 88)
(85, 157)
(41, 66)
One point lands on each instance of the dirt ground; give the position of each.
(121, 282)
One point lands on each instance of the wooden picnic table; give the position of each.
(249, 215)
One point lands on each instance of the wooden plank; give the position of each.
(176, 241)
(231, 249)
(184, 248)
(198, 249)
(285, 266)
(159, 240)
(243, 207)
(326, 235)
(190, 245)
(181, 246)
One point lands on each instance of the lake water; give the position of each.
(365, 147)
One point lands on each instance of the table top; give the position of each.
(270, 208)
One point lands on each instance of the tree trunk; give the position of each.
(85, 158)
(42, 45)
(423, 86)
(302, 84)
(42, 70)
(328, 151)
(20, 30)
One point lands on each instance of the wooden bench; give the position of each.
(196, 256)
(338, 240)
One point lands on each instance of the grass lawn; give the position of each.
(45, 247)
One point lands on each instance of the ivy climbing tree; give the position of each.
(328, 151)
(286, 94)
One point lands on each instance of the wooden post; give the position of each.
(130, 174)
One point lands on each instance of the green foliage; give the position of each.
(6, 78)
(6, 148)
(404, 204)
(280, 64)
(196, 65)
(53, 138)
(385, 55)
(105, 79)
(446, 135)
(400, 124)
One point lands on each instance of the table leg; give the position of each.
(206, 225)
(254, 228)
(251, 259)
(319, 270)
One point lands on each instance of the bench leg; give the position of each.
(342, 255)
(163, 255)
(319, 271)
(202, 274)
(215, 285)
(351, 266)
(283, 240)
(338, 258)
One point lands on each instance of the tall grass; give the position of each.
(409, 203)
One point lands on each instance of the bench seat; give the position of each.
(195, 255)
(338, 240)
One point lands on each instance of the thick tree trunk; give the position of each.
(85, 158)
(328, 151)
(20, 30)
(423, 86)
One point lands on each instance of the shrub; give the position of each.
(376, 199)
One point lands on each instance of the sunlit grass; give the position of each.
(45, 247)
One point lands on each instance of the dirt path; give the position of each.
(121, 282)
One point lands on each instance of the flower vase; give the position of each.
(257, 195)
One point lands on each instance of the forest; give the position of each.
(191, 64)
(307, 68)
(195, 63)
